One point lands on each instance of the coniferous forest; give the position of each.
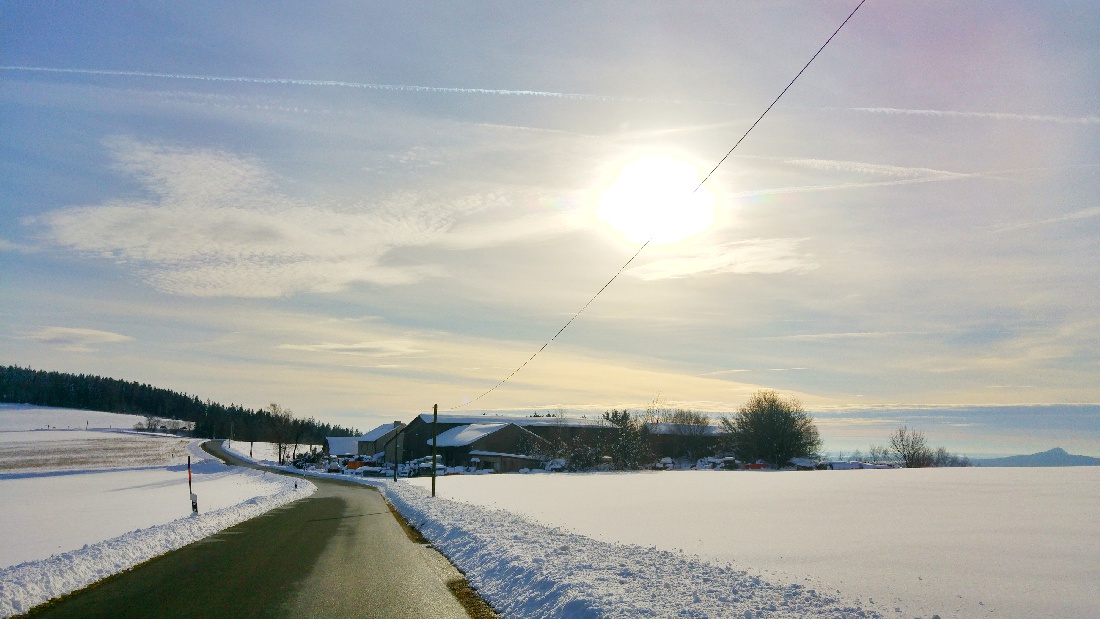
(26, 386)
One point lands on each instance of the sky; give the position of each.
(361, 209)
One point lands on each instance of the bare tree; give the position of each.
(282, 428)
(878, 453)
(911, 448)
(942, 457)
(151, 424)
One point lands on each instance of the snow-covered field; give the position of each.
(84, 450)
(259, 452)
(80, 505)
(16, 417)
(906, 543)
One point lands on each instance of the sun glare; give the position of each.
(655, 198)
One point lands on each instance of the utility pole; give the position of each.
(435, 433)
(396, 458)
(395, 447)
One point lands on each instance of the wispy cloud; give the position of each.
(6, 245)
(809, 337)
(1074, 216)
(73, 339)
(743, 371)
(524, 128)
(742, 257)
(902, 175)
(500, 232)
(1069, 120)
(392, 348)
(215, 225)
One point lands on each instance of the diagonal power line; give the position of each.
(705, 179)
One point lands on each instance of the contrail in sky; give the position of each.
(1075, 120)
(341, 84)
(1072, 120)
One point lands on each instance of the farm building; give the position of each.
(379, 439)
(417, 435)
(342, 445)
(686, 441)
(503, 447)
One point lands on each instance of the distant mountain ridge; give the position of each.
(1052, 457)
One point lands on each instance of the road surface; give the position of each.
(337, 554)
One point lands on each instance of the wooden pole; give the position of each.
(395, 448)
(194, 499)
(435, 433)
(396, 459)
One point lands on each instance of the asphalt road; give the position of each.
(339, 553)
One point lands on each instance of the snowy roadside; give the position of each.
(526, 569)
(235, 494)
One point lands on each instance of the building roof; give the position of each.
(683, 428)
(342, 445)
(461, 436)
(478, 452)
(568, 422)
(377, 433)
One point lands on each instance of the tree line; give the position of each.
(211, 419)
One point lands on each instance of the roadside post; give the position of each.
(435, 433)
(194, 498)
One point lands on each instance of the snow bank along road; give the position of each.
(339, 553)
(80, 505)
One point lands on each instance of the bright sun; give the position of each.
(655, 198)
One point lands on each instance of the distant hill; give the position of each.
(1053, 457)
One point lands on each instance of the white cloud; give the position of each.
(742, 257)
(214, 225)
(74, 339)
